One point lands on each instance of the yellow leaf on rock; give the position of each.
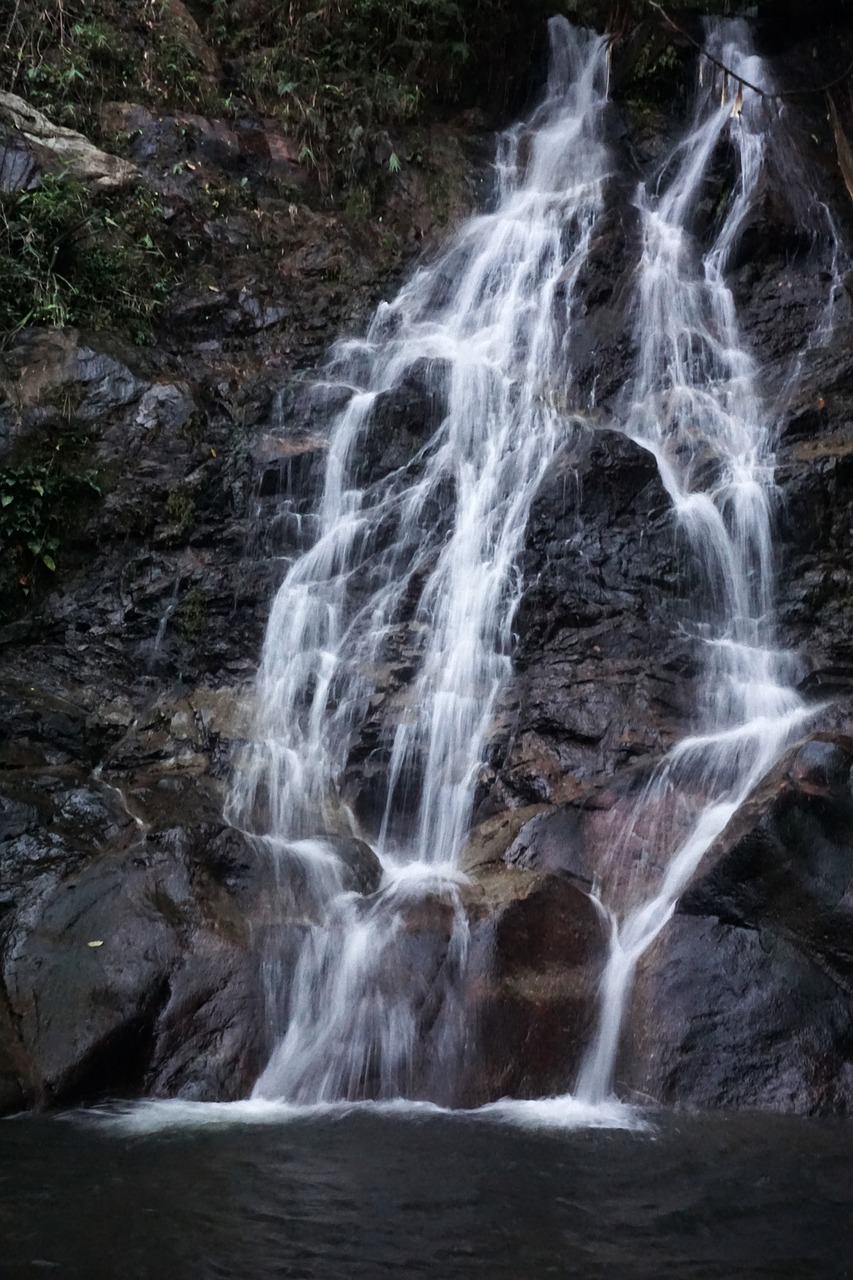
(97, 942)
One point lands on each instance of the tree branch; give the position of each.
(764, 93)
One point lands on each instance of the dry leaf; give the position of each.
(97, 942)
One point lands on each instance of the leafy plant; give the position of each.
(72, 256)
(177, 68)
(192, 612)
(340, 72)
(70, 56)
(39, 502)
(180, 510)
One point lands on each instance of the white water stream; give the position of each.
(486, 325)
(695, 404)
(428, 553)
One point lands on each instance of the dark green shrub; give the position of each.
(40, 503)
(72, 256)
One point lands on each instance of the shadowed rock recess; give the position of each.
(163, 441)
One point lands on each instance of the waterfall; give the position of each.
(422, 557)
(695, 404)
(407, 595)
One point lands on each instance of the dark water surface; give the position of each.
(371, 1194)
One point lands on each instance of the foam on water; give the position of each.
(558, 1113)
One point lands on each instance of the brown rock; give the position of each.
(536, 952)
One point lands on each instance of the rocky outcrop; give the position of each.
(815, 470)
(745, 999)
(132, 917)
(604, 588)
(132, 944)
(126, 966)
(31, 145)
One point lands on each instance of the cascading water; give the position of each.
(413, 571)
(695, 404)
(486, 325)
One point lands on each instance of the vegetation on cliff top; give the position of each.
(337, 73)
(305, 61)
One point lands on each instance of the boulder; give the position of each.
(537, 948)
(17, 1087)
(30, 145)
(746, 998)
(136, 971)
(362, 868)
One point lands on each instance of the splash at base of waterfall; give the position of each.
(558, 1113)
(375, 999)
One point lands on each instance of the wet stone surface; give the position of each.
(125, 682)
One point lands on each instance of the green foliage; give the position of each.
(343, 76)
(358, 204)
(656, 77)
(180, 510)
(439, 195)
(40, 501)
(69, 56)
(340, 72)
(192, 612)
(68, 75)
(178, 70)
(69, 255)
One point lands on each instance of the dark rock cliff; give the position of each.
(178, 456)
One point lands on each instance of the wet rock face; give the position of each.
(124, 693)
(403, 420)
(816, 472)
(129, 971)
(362, 870)
(604, 587)
(536, 948)
(745, 999)
(751, 1022)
